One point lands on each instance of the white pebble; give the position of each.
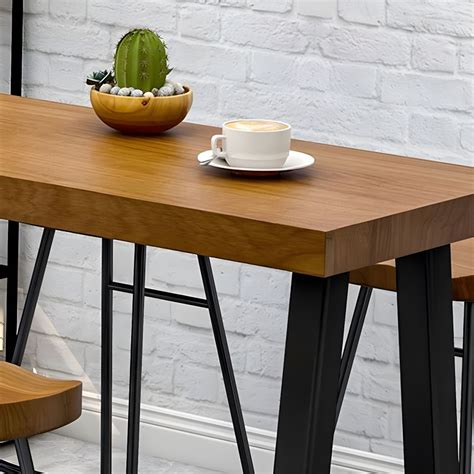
(148, 94)
(169, 84)
(155, 91)
(105, 88)
(115, 90)
(165, 91)
(137, 93)
(178, 88)
(124, 91)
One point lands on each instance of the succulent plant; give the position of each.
(141, 60)
(98, 78)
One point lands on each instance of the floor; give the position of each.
(59, 454)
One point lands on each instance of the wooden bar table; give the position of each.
(60, 168)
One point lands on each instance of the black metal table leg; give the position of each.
(106, 359)
(136, 353)
(226, 365)
(11, 320)
(352, 341)
(32, 295)
(427, 362)
(467, 391)
(23, 453)
(312, 363)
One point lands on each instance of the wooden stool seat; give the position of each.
(383, 275)
(31, 404)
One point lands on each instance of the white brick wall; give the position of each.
(387, 75)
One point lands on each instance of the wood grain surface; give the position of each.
(61, 167)
(31, 404)
(383, 275)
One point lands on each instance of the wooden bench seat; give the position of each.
(31, 404)
(383, 275)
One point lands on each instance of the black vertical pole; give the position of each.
(11, 320)
(136, 353)
(106, 359)
(16, 67)
(16, 47)
(467, 390)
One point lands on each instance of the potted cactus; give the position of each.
(137, 97)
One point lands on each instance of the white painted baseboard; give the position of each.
(206, 442)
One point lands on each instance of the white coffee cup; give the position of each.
(255, 143)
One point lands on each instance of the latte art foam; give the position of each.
(256, 125)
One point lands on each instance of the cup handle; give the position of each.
(216, 151)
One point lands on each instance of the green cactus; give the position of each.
(141, 60)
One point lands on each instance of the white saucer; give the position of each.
(295, 161)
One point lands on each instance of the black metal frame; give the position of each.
(10, 271)
(352, 341)
(25, 461)
(467, 391)
(424, 293)
(106, 358)
(11, 274)
(8, 467)
(466, 352)
(23, 453)
(16, 47)
(226, 365)
(307, 418)
(139, 292)
(32, 295)
(136, 357)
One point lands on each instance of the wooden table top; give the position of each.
(60, 167)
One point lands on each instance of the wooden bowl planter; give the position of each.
(143, 115)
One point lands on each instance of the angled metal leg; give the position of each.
(11, 320)
(106, 359)
(24, 456)
(9, 468)
(467, 390)
(226, 365)
(32, 295)
(136, 353)
(425, 317)
(352, 341)
(307, 419)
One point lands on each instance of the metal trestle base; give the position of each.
(139, 292)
